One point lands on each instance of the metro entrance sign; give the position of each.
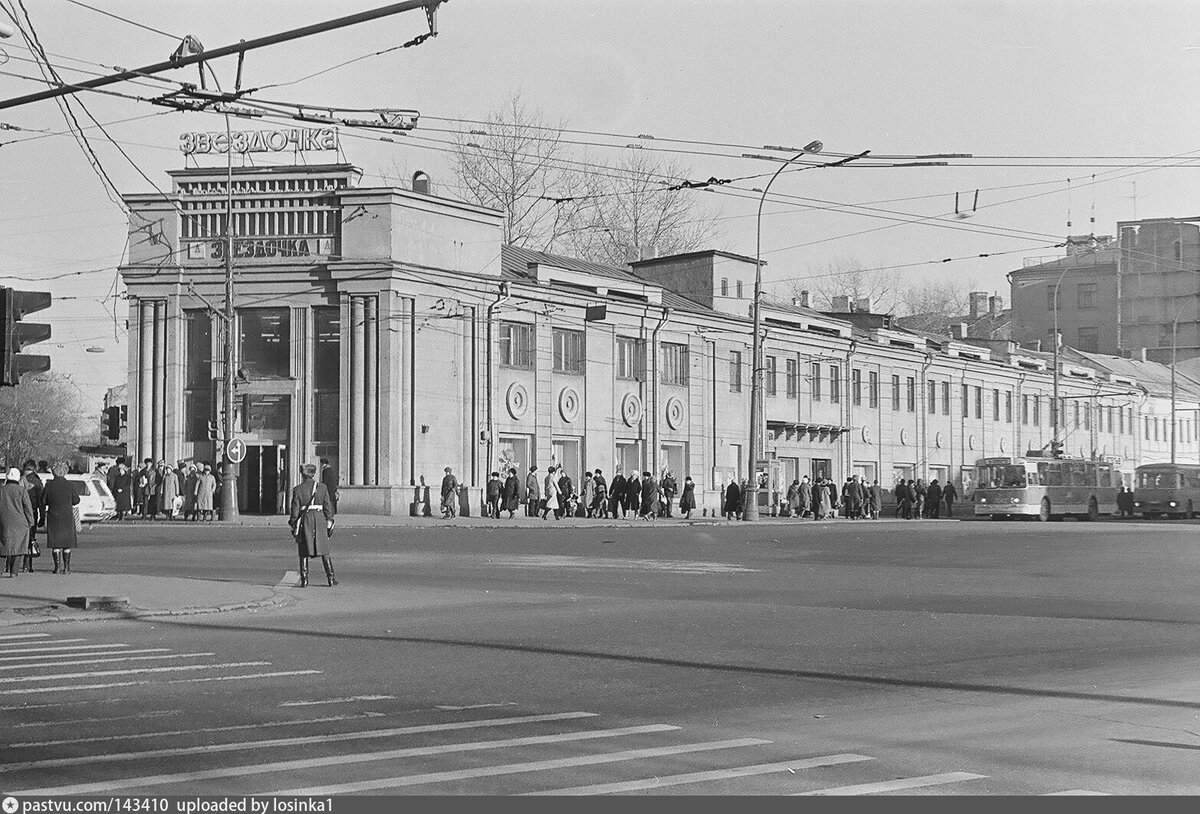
(236, 450)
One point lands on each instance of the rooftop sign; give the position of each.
(259, 141)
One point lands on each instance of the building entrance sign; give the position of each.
(267, 247)
(259, 141)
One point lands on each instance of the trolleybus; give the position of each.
(1045, 488)
(1170, 489)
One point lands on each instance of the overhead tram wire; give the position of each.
(125, 20)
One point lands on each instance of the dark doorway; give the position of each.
(262, 480)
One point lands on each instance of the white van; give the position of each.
(96, 503)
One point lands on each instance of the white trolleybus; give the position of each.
(1045, 488)
(1166, 489)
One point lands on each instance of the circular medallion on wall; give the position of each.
(904, 436)
(516, 400)
(568, 404)
(1003, 444)
(937, 440)
(866, 434)
(631, 409)
(675, 413)
(971, 442)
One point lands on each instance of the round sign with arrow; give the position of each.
(236, 450)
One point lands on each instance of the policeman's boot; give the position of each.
(328, 563)
(304, 572)
(54, 552)
(67, 561)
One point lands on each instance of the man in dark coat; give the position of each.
(804, 497)
(533, 492)
(600, 501)
(329, 478)
(919, 494)
(633, 495)
(495, 487)
(854, 498)
(949, 494)
(566, 496)
(449, 495)
(311, 518)
(831, 485)
(933, 500)
(616, 496)
(669, 490)
(733, 500)
(59, 498)
(510, 494)
(650, 496)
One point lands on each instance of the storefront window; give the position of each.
(266, 342)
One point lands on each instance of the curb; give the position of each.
(277, 599)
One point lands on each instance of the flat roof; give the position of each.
(688, 255)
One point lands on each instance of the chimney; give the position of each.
(995, 305)
(1143, 354)
(840, 304)
(863, 305)
(650, 252)
(804, 300)
(958, 330)
(978, 301)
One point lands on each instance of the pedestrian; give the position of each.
(511, 494)
(311, 518)
(804, 497)
(820, 499)
(121, 486)
(34, 486)
(149, 489)
(600, 501)
(791, 507)
(669, 489)
(16, 519)
(874, 500)
(533, 492)
(550, 502)
(589, 493)
(206, 488)
(834, 503)
(60, 500)
(329, 478)
(853, 498)
(650, 496)
(949, 494)
(449, 495)
(919, 493)
(687, 500)
(167, 489)
(733, 499)
(191, 475)
(616, 495)
(933, 499)
(633, 495)
(493, 489)
(568, 498)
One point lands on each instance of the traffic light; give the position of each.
(112, 423)
(16, 335)
(212, 431)
(1056, 449)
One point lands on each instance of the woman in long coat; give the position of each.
(16, 518)
(311, 517)
(551, 488)
(122, 489)
(511, 499)
(820, 500)
(687, 500)
(168, 488)
(190, 478)
(59, 497)
(206, 487)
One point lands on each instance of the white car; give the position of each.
(96, 503)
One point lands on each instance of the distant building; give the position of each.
(1159, 282)
(987, 318)
(1079, 289)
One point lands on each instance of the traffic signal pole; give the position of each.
(229, 507)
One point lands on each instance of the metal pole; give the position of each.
(1174, 347)
(229, 507)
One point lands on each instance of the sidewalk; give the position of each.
(42, 596)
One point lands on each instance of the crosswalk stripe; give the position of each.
(372, 734)
(700, 777)
(138, 717)
(518, 768)
(60, 676)
(56, 648)
(60, 655)
(90, 702)
(8, 636)
(1077, 793)
(896, 785)
(323, 701)
(110, 685)
(153, 780)
(104, 660)
(207, 730)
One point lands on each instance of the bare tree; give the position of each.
(846, 277)
(931, 305)
(41, 418)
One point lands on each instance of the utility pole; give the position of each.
(229, 506)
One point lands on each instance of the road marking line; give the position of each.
(1077, 793)
(8, 636)
(448, 708)
(103, 661)
(110, 685)
(138, 717)
(895, 785)
(700, 777)
(171, 733)
(569, 562)
(334, 760)
(60, 676)
(419, 729)
(90, 702)
(54, 649)
(517, 768)
(337, 700)
(72, 655)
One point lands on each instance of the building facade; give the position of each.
(1077, 293)
(391, 333)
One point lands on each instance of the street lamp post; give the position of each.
(751, 497)
(1054, 439)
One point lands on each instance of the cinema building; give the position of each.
(391, 332)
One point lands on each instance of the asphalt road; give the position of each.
(889, 658)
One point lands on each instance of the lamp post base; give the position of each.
(751, 510)
(229, 506)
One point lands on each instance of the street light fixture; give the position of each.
(751, 497)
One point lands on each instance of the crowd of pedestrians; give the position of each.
(37, 496)
(187, 491)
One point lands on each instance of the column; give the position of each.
(160, 379)
(370, 378)
(145, 390)
(357, 388)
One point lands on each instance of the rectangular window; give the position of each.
(769, 375)
(1077, 414)
(631, 359)
(835, 384)
(1088, 339)
(1086, 295)
(735, 371)
(724, 286)
(739, 289)
(1121, 420)
(816, 381)
(569, 353)
(1146, 420)
(516, 344)
(674, 363)
(266, 342)
(911, 392)
(856, 386)
(1008, 401)
(793, 378)
(327, 374)
(1037, 410)
(946, 398)
(1129, 423)
(978, 402)
(896, 393)
(873, 389)
(932, 405)
(995, 405)
(966, 402)
(1025, 409)
(1087, 416)
(198, 382)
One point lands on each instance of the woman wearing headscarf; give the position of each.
(16, 518)
(59, 498)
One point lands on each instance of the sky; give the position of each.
(1005, 82)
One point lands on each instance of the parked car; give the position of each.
(96, 503)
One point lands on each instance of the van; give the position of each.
(96, 502)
